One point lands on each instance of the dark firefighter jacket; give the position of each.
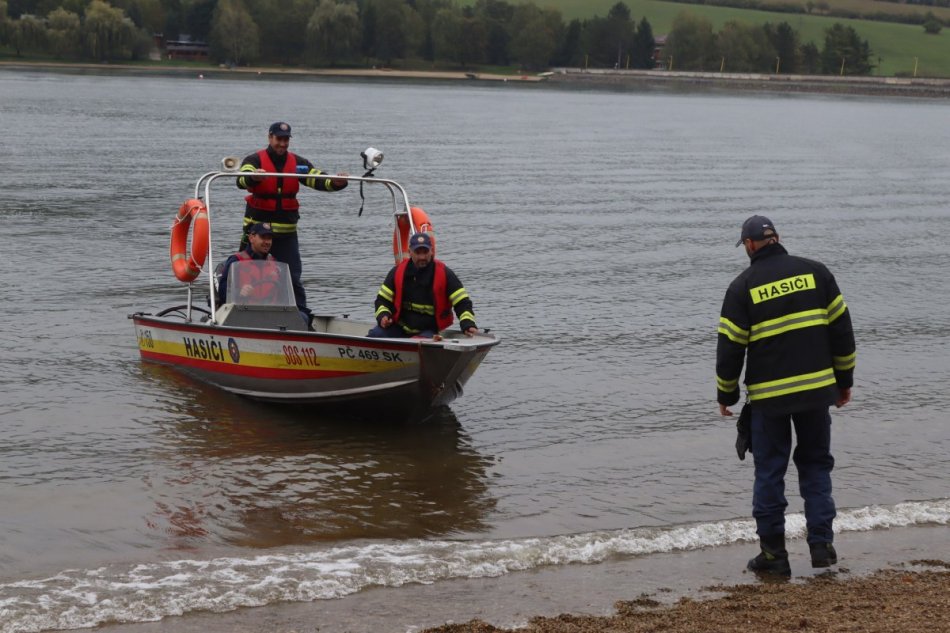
(787, 314)
(274, 200)
(411, 298)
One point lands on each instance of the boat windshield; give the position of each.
(260, 282)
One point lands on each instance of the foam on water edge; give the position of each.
(151, 591)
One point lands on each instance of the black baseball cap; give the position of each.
(279, 129)
(261, 228)
(420, 240)
(756, 228)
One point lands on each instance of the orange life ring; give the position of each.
(188, 268)
(401, 233)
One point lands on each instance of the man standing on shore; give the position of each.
(788, 315)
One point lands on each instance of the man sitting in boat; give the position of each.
(256, 284)
(419, 295)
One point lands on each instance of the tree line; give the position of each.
(426, 33)
(740, 47)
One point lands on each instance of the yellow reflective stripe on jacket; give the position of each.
(458, 295)
(836, 308)
(312, 182)
(844, 363)
(386, 293)
(794, 321)
(422, 308)
(467, 315)
(382, 310)
(727, 386)
(243, 181)
(792, 384)
(276, 227)
(735, 333)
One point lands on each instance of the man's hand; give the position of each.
(258, 178)
(724, 410)
(385, 321)
(246, 290)
(339, 182)
(472, 331)
(844, 397)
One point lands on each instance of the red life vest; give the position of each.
(262, 279)
(265, 194)
(443, 309)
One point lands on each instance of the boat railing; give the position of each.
(400, 205)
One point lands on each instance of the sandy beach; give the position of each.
(889, 600)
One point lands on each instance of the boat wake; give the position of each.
(149, 592)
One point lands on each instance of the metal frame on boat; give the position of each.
(269, 352)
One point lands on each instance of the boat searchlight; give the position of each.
(372, 157)
(230, 163)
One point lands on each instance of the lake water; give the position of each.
(595, 232)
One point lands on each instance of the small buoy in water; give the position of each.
(200, 76)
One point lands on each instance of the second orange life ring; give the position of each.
(401, 234)
(187, 264)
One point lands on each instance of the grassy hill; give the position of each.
(895, 47)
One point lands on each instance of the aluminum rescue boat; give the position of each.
(264, 348)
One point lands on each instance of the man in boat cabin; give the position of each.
(786, 318)
(419, 295)
(274, 199)
(258, 283)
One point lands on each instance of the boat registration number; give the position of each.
(307, 356)
(370, 354)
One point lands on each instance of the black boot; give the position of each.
(823, 554)
(773, 559)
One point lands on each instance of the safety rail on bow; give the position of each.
(400, 205)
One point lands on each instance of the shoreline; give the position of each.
(817, 84)
(254, 71)
(917, 87)
(609, 596)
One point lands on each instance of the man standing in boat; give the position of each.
(274, 199)
(419, 294)
(788, 317)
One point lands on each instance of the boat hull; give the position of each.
(335, 369)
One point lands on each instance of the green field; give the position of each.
(895, 47)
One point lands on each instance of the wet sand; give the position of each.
(887, 601)
(881, 584)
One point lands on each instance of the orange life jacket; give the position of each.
(263, 279)
(443, 309)
(267, 193)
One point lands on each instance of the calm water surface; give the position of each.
(595, 232)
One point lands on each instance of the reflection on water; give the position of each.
(260, 475)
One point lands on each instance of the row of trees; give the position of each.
(738, 47)
(330, 32)
(358, 32)
(102, 32)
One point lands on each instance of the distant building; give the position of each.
(184, 48)
(659, 45)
